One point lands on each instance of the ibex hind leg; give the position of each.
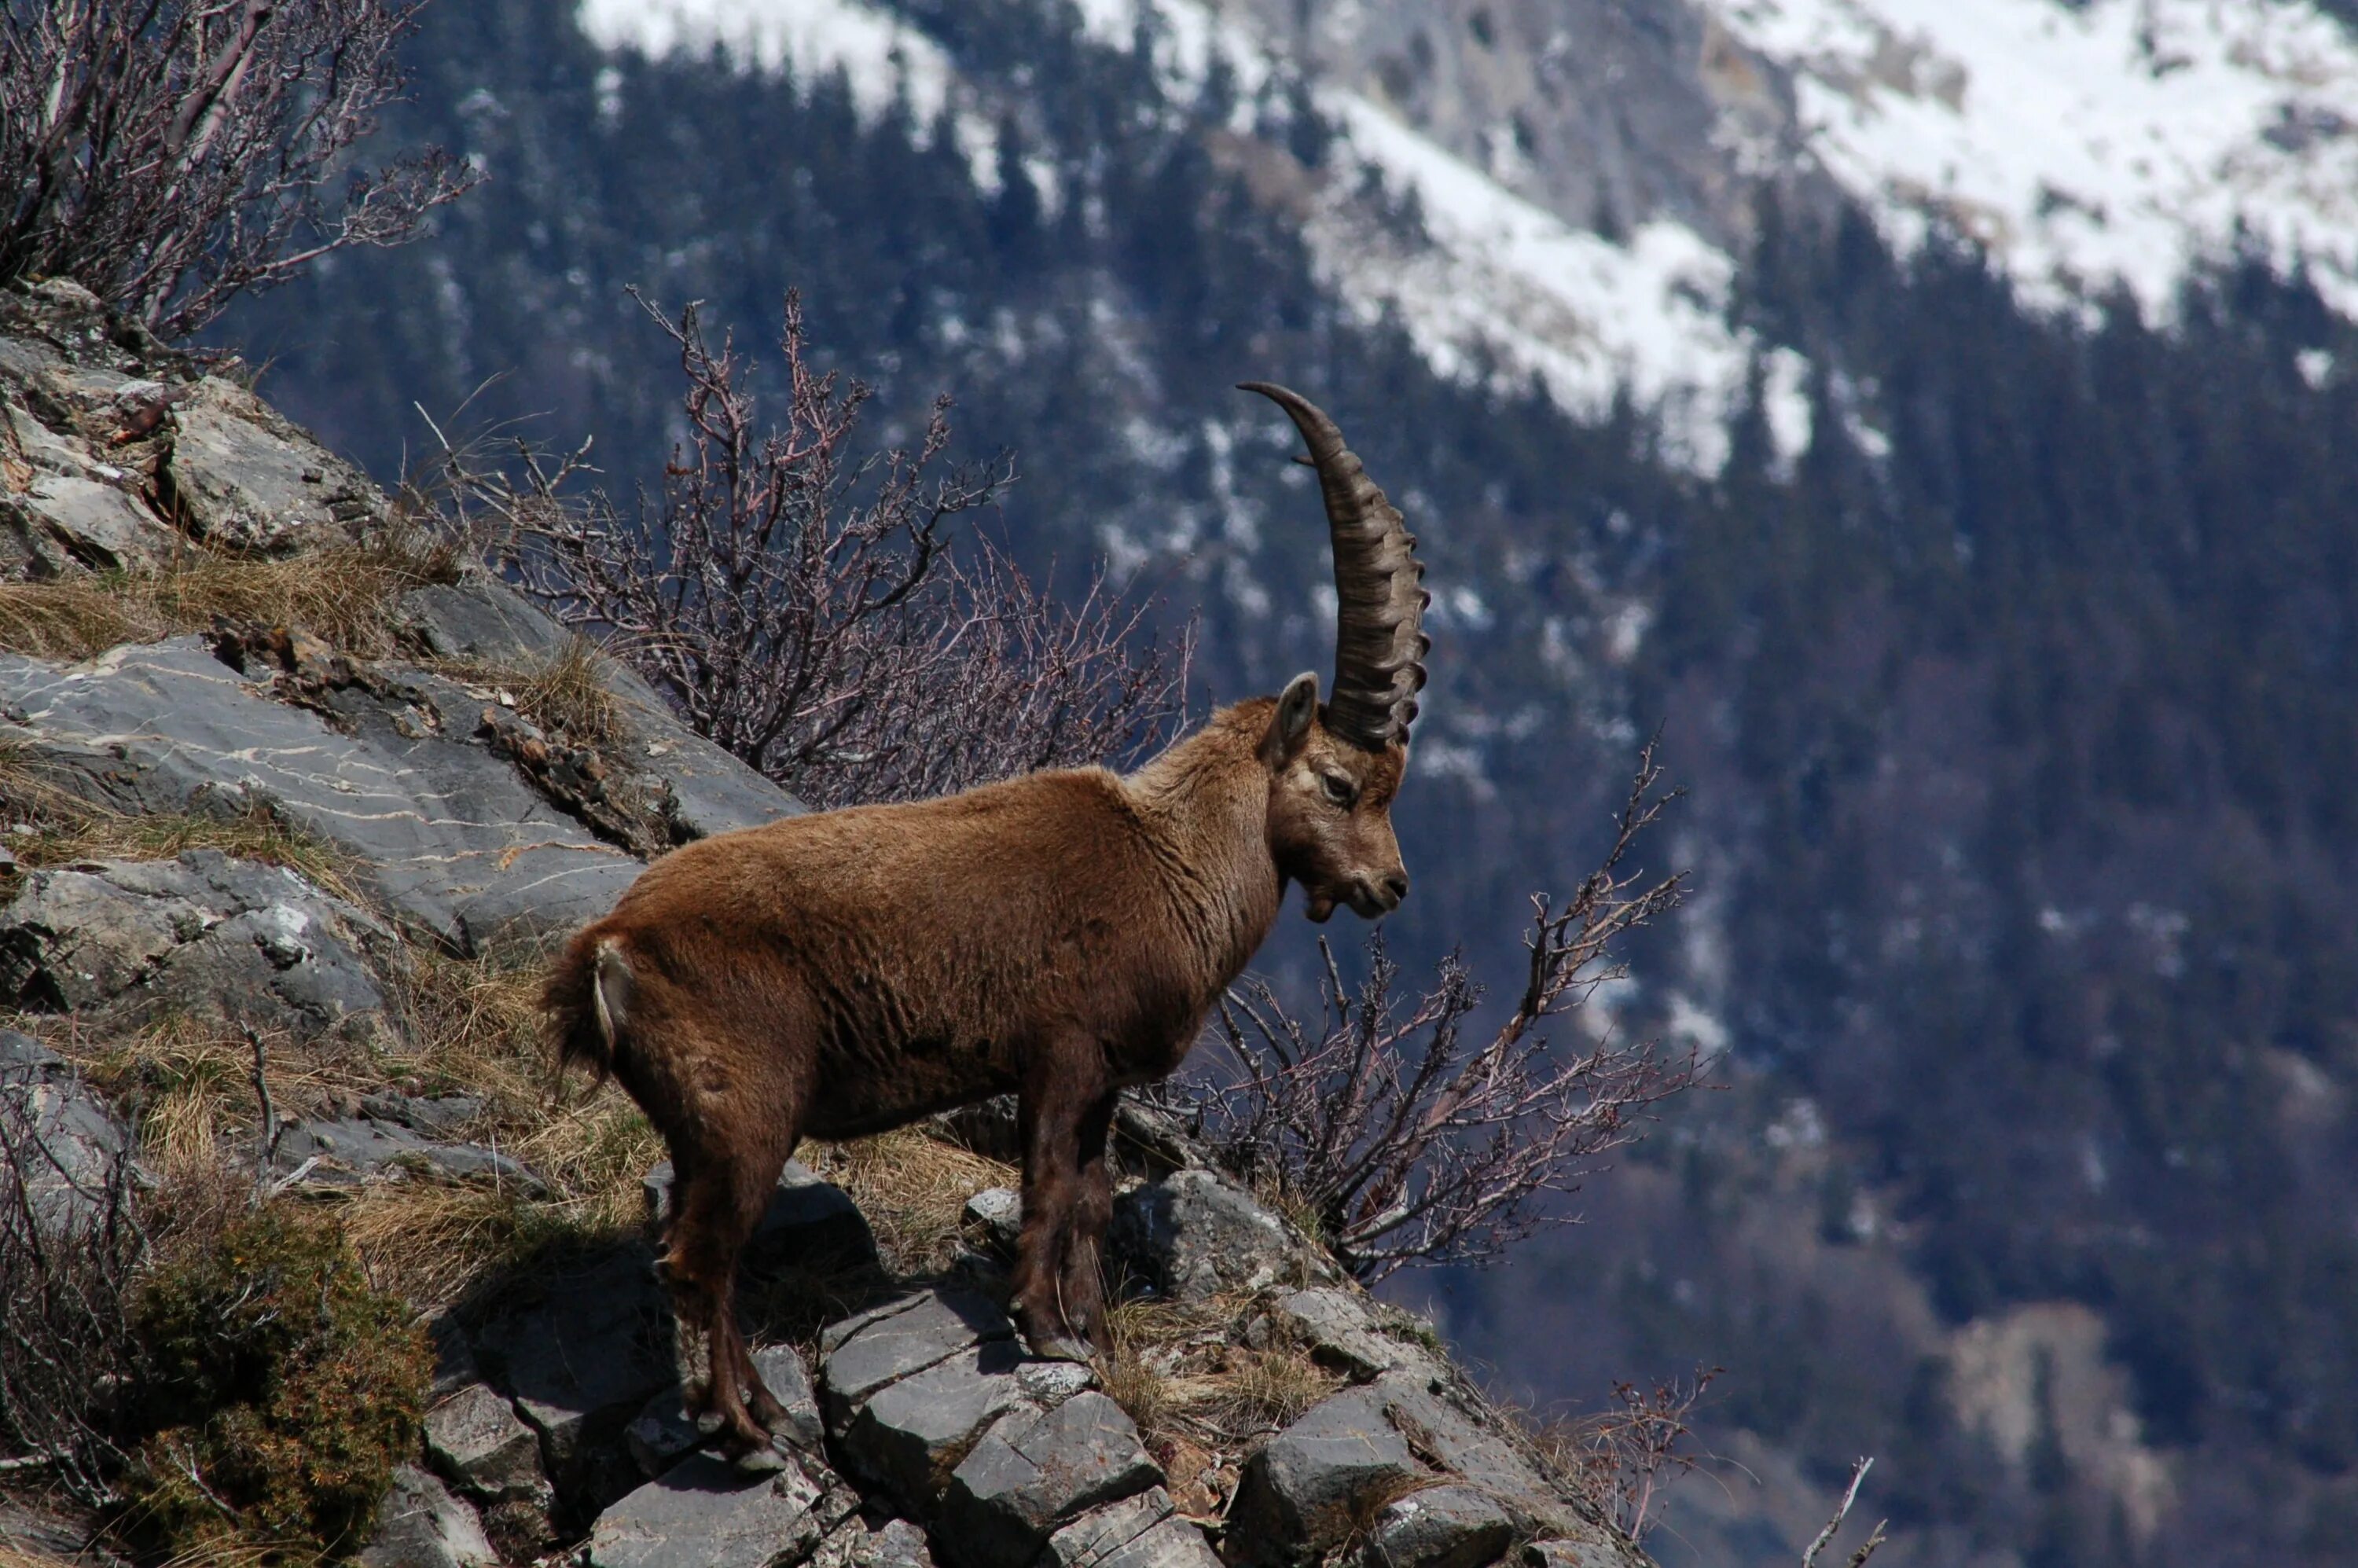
(717, 1210)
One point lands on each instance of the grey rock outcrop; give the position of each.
(1195, 1234)
(348, 1150)
(1346, 1329)
(202, 935)
(1137, 1532)
(1304, 1492)
(908, 1435)
(421, 1525)
(1441, 1527)
(994, 1219)
(240, 476)
(1578, 1554)
(896, 1543)
(703, 1513)
(698, 788)
(474, 1439)
(71, 1146)
(580, 1361)
(1036, 1471)
(445, 832)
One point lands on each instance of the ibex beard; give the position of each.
(1059, 936)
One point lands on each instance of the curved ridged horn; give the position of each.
(1380, 644)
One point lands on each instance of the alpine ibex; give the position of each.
(1060, 935)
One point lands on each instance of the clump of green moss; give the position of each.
(276, 1391)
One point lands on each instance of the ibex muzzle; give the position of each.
(1061, 935)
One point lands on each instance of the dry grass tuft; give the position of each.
(570, 693)
(912, 1187)
(474, 1027)
(1178, 1370)
(344, 594)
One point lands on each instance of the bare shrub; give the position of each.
(69, 1248)
(811, 611)
(170, 153)
(1397, 1140)
(1622, 1456)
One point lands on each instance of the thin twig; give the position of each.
(1833, 1526)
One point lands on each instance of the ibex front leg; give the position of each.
(1063, 1086)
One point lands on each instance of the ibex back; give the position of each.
(1060, 935)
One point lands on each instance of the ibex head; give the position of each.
(1334, 769)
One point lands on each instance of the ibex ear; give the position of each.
(1297, 706)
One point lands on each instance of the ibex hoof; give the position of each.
(762, 1460)
(1055, 1347)
(708, 1421)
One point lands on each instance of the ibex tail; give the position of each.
(589, 1003)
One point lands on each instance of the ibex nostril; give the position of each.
(1397, 885)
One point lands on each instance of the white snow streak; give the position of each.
(882, 58)
(2125, 140)
(1503, 280)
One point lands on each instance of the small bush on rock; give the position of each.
(277, 1393)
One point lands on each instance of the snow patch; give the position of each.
(2114, 141)
(1498, 284)
(882, 59)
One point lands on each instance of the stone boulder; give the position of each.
(896, 1543)
(1306, 1490)
(1346, 1329)
(1136, 1533)
(204, 935)
(1195, 1234)
(704, 1513)
(581, 1358)
(863, 1353)
(993, 1219)
(240, 476)
(462, 824)
(444, 832)
(476, 1441)
(72, 1146)
(1034, 1472)
(1439, 1527)
(421, 1525)
(698, 788)
(1595, 1552)
(342, 1152)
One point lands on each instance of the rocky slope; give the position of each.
(232, 825)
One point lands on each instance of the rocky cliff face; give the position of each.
(276, 772)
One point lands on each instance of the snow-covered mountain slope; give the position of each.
(1494, 283)
(2086, 145)
(2114, 139)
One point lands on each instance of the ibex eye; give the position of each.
(1338, 789)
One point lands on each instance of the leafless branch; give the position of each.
(1411, 1144)
(815, 613)
(1833, 1526)
(170, 153)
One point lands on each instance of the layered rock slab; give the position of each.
(202, 934)
(446, 834)
(1036, 1471)
(703, 1513)
(1193, 1235)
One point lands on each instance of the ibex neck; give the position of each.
(1205, 802)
